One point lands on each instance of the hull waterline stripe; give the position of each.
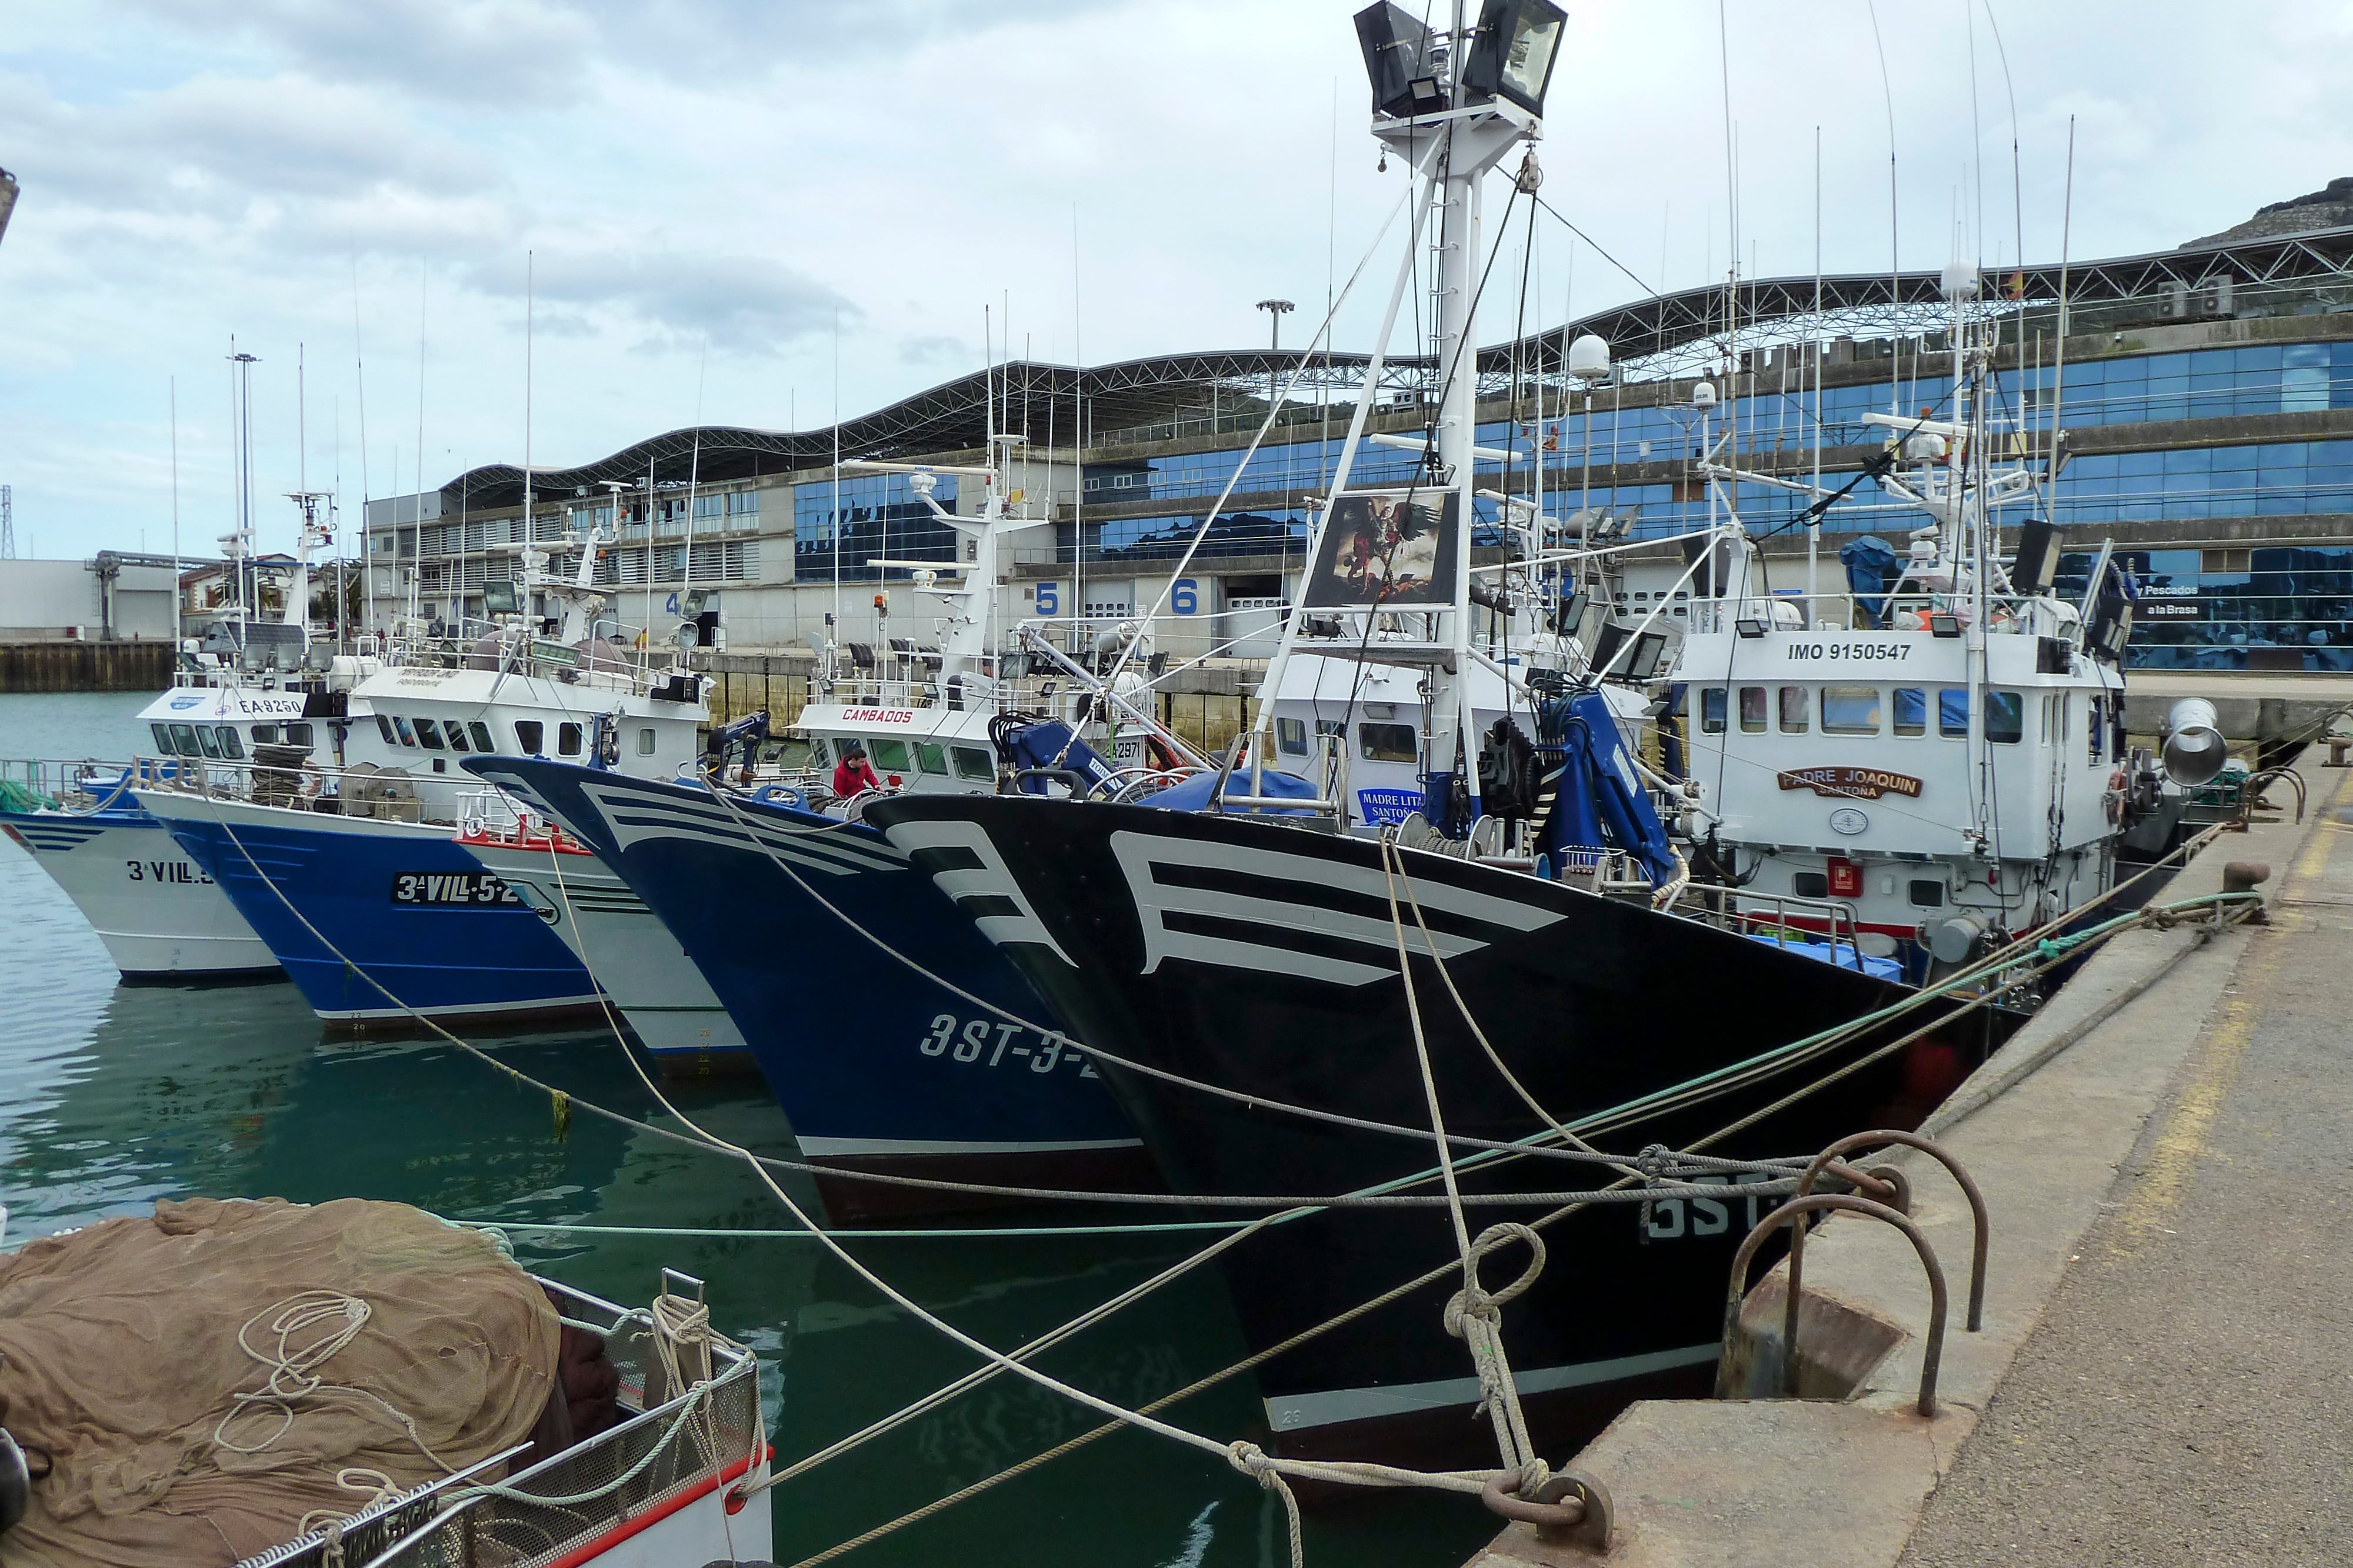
(1301, 1412)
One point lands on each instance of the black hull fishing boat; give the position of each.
(1262, 958)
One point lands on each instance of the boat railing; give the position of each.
(72, 784)
(1915, 608)
(671, 1447)
(1777, 917)
(284, 777)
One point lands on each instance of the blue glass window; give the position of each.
(2005, 716)
(1912, 711)
(1953, 713)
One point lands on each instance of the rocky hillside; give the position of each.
(2327, 208)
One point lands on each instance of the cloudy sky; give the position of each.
(719, 194)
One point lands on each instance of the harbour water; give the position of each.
(114, 1096)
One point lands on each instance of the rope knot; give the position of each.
(1474, 1302)
(1250, 1460)
(1649, 1165)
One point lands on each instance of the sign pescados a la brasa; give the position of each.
(1851, 783)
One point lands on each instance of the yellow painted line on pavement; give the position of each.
(2183, 1138)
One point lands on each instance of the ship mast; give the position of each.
(1452, 105)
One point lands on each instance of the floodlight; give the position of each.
(1650, 652)
(1943, 625)
(1401, 59)
(1517, 44)
(1749, 629)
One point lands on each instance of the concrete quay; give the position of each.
(2164, 1374)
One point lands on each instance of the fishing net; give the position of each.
(199, 1379)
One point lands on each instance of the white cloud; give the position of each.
(708, 187)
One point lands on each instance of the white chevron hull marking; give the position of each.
(1140, 854)
(991, 879)
(635, 818)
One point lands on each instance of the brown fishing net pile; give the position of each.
(120, 1358)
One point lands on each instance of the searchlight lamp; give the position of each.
(1405, 61)
(1514, 51)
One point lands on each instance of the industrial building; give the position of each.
(2206, 394)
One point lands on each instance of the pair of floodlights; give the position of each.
(1512, 54)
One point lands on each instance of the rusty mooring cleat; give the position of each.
(1570, 1509)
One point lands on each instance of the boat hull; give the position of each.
(876, 1068)
(1263, 959)
(160, 915)
(630, 953)
(358, 908)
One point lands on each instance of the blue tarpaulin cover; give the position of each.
(1193, 794)
(1844, 956)
(1868, 561)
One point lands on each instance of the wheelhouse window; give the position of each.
(407, 735)
(2005, 717)
(457, 734)
(820, 754)
(1795, 702)
(231, 747)
(184, 740)
(931, 758)
(645, 741)
(2099, 734)
(428, 734)
(384, 724)
(1752, 710)
(1712, 702)
(889, 756)
(265, 734)
(482, 733)
(1953, 713)
(298, 734)
(567, 740)
(1291, 736)
(1911, 711)
(211, 746)
(1849, 710)
(528, 734)
(1387, 742)
(972, 762)
(163, 739)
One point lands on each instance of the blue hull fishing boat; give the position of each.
(788, 913)
(377, 921)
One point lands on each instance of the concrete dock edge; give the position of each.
(2046, 1129)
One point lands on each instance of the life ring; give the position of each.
(2113, 799)
(310, 779)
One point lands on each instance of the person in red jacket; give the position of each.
(854, 774)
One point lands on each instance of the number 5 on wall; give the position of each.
(1050, 598)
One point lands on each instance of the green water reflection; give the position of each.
(113, 1096)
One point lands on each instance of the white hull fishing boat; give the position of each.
(248, 685)
(1940, 753)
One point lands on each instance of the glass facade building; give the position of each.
(2198, 428)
